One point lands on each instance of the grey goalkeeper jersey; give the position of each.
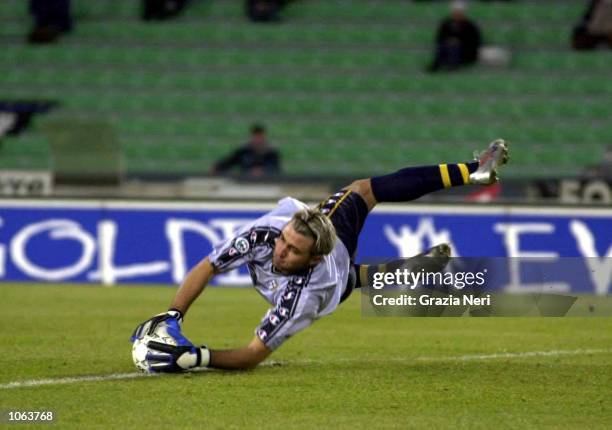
(297, 299)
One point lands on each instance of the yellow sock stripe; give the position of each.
(445, 176)
(465, 173)
(331, 212)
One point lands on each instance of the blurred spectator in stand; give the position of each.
(595, 28)
(16, 116)
(255, 159)
(434, 1)
(51, 19)
(457, 41)
(264, 10)
(162, 9)
(603, 169)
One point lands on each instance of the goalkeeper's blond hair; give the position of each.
(312, 223)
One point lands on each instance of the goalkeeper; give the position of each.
(300, 260)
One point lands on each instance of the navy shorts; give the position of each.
(347, 211)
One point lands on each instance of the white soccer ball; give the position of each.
(140, 348)
(139, 354)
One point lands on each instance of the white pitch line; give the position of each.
(72, 380)
(455, 358)
(527, 354)
(452, 358)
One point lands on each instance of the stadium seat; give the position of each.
(341, 88)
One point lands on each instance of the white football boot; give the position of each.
(488, 161)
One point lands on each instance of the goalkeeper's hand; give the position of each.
(163, 357)
(176, 353)
(151, 325)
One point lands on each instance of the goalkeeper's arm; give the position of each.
(240, 358)
(193, 285)
(175, 358)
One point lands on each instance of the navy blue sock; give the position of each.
(413, 182)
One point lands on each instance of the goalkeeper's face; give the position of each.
(293, 251)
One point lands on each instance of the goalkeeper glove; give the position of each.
(173, 352)
(149, 326)
(163, 357)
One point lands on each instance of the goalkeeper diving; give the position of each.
(301, 260)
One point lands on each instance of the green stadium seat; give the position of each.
(335, 84)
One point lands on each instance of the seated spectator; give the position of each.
(264, 10)
(457, 41)
(595, 28)
(255, 159)
(162, 9)
(16, 116)
(51, 19)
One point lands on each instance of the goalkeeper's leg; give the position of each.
(432, 260)
(411, 183)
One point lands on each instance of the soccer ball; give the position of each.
(139, 354)
(140, 348)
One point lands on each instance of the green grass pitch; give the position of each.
(346, 371)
